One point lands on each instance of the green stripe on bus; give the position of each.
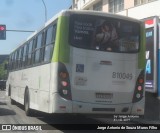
(61, 49)
(141, 55)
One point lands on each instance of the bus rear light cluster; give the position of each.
(64, 88)
(138, 92)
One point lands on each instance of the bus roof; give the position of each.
(98, 13)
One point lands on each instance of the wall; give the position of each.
(143, 11)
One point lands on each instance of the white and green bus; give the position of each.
(81, 62)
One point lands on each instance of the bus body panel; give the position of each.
(61, 105)
(37, 80)
(103, 74)
(139, 107)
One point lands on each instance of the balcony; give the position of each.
(85, 4)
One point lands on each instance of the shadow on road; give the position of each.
(152, 107)
(3, 103)
(63, 121)
(4, 112)
(61, 118)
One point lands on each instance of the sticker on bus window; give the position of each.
(80, 68)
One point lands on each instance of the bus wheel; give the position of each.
(27, 103)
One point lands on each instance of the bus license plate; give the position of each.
(104, 95)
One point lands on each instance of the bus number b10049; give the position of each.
(120, 75)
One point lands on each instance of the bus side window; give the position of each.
(42, 47)
(13, 61)
(54, 33)
(37, 48)
(21, 58)
(33, 51)
(17, 54)
(30, 53)
(50, 40)
(24, 55)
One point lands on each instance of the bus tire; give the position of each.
(27, 103)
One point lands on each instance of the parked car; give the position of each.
(2, 84)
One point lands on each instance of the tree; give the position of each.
(3, 72)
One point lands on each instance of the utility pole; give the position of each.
(45, 10)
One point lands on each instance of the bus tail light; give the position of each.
(141, 81)
(63, 75)
(140, 88)
(139, 110)
(64, 87)
(64, 83)
(138, 92)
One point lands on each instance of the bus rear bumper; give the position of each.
(66, 106)
(91, 108)
(130, 108)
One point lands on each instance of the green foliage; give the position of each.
(3, 72)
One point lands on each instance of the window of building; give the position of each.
(141, 2)
(116, 6)
(98, 6)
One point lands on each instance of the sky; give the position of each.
(25, 15)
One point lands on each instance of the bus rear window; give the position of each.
(104, 33)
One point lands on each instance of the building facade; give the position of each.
(138, 9)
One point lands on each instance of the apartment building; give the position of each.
(138, 9)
